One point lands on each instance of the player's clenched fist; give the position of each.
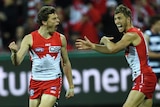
(13, 47)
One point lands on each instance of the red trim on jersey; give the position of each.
(141, 51)
(40, 42)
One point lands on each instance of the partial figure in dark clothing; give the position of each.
(153, 40)
(109, 28)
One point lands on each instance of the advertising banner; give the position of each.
(99, 80)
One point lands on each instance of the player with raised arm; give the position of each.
(136, 54)
(46, 48)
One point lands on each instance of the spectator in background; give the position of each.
(153, 39)
(156, 5)
(92, 20)
(9, 19)
(98, 8)
(63, 26)
(76, 12)
(82, 21)
(30, 25)
(33, 7)
(63, 3)
(73, 36)
(109, 28)
(141, 10)
(32, 10)
(84, 16)
(20, 32)
(22, 14)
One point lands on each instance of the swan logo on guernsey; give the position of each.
(53, 49)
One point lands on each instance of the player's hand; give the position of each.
(13, 47)
(84, 44)
(69, 93)
(105, 39)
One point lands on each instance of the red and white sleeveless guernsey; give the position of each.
(137, 56)
(45, 55)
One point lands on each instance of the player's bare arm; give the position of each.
(107, 46)
(110, 47)
(67, 67)
(19, 54)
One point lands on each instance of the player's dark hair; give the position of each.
(124, 10)
(43, 13)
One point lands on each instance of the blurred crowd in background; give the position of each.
(79, 18)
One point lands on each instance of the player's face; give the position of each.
(120, 21)
(52, 22)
